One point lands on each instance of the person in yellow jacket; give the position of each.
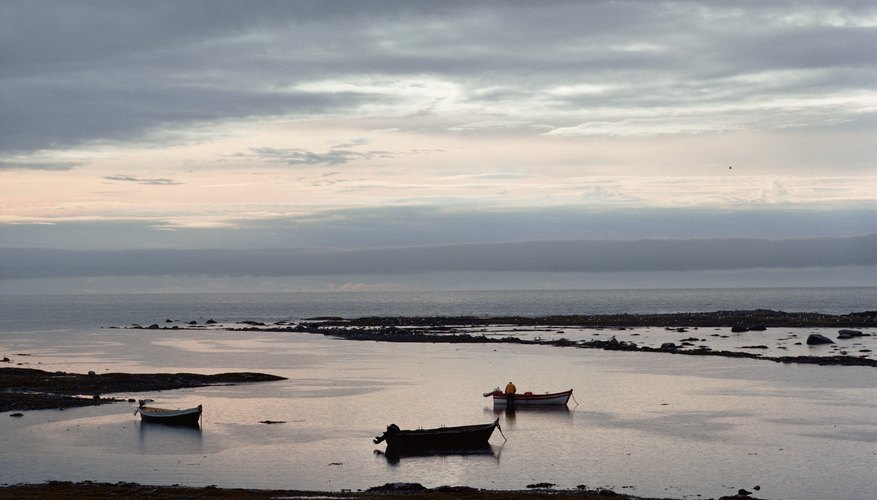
(510, 391)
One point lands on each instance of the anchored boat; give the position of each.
(188, 416)
(530, 399)
(441, 438)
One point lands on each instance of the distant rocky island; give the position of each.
(459, 329)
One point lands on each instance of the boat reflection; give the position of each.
(511, 412)
(394, 457)
(163, 438)
(555, 413)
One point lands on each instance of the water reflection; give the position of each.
(170, 439)
(394, 457)
(548, 413)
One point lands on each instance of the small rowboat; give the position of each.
(529, 399)
(442, 438)
(188, 416)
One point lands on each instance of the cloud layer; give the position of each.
(535, 256)
(453, 136)
(79, 72)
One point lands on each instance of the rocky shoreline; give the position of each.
(394, 491)
(746, 319)
(31, 389)
(455, 330)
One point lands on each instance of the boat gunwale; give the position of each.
(532, 398)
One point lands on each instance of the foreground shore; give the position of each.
(90, 490)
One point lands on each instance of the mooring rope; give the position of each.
(574, 399)
(500, 430)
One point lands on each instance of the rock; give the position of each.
(193, 322)
(743, 492)
(817, 339)
(211, 321)
(16, 414)
(739, 329)
(851, 333)
(668, 346)
(848, 334)
(398, 487)
(456, 489)
(541, 485)
(6, 360)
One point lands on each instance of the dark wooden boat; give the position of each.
(188, 416)
(441, 438)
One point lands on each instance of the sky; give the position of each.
(416, 145)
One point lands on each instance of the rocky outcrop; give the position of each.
(817, 339)
(26, 388)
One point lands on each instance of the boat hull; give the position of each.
(530, 399)
(187, 417)
(442, 438)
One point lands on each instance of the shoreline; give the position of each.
(94, 490)
(450, 329)
(28, 389)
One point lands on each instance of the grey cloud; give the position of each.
(77, 72)
(63, 114)
(38, 165)
(535, 256)
(334, 156)
(139, 180)
(429, 225)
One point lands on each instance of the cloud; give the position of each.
(334, 156)
(138, 180)
(359, 228)
(90, 73)
(533, 256)
(562, 120)
(38, 165)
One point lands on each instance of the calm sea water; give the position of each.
(645, 424)
(54, 311)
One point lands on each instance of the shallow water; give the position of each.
(645, 424)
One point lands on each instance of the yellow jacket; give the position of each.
(510, 388)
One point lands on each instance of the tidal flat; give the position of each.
(646, 424)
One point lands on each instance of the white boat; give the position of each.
(187, 416)
(530, 399)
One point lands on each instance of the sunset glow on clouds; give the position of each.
(186, 124)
